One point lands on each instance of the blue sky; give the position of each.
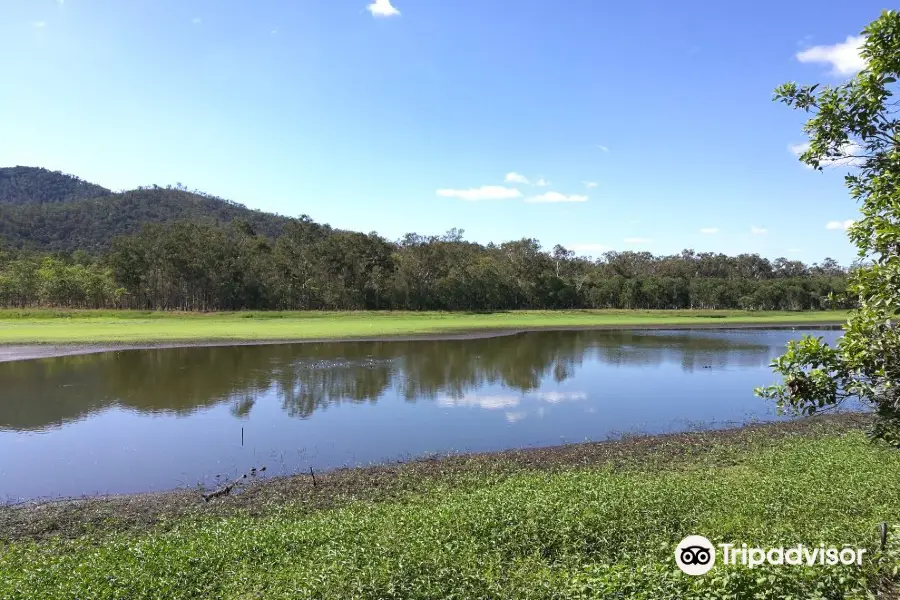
(636, 124)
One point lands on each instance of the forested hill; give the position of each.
(33, 185)
(47, 211)
(170, 248)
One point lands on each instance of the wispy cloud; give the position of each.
(844, 225)
(555, 197)
(558, 397)
(514, 177)
(485, 192)
(844, 57)
(479, 401)
(602, 147)
(40, 24)
(273, 32)
(758, 230)
(587, 248)
(196, 20)
(550, 397)
(638, 240)
(709, 230)
(517, 178)
(590, 184)
(383, 8)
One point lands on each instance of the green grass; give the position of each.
(585, 532)
(53, 326)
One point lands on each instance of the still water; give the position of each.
(141, 420)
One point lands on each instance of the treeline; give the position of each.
(204, 267)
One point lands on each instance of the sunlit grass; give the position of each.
(581, 533)
(53, 326)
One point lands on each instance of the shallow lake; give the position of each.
(141, 420)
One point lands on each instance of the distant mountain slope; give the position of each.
(26, 185)
(49, 220)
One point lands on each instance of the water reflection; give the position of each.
(133, 421)
(308, 378)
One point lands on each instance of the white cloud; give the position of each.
(515, 417)
(557, 397)
(602, 147)
(758, 230)
(383, 8)
(542, 182)
(40, 24)
(843, 57)
(587, 248)
(845, 225)
(517, 178)
(638, 240)
(273, 32)
(476, 401)
(851, 155)
(485, 192)
(196, 20)
(709, 230)
(555, 197)
(799, 149)
(590, 184)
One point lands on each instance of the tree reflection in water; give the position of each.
(307, 378)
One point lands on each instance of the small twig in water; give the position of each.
(225, 490)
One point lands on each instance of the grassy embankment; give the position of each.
(135, 327)
(584, 521)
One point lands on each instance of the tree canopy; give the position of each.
(28, 185)
(190, 265)
(854, 125)
(49, 211)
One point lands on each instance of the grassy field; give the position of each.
(97, 327)
(579, 528)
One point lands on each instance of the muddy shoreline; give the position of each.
(16, 352)
(392, 481)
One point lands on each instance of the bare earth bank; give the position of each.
(14, 352)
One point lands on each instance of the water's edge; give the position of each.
(68, 516)
(17, 352)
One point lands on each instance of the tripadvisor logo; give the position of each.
(696, 555)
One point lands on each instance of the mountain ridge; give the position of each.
(30, 185)
(52, 211)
